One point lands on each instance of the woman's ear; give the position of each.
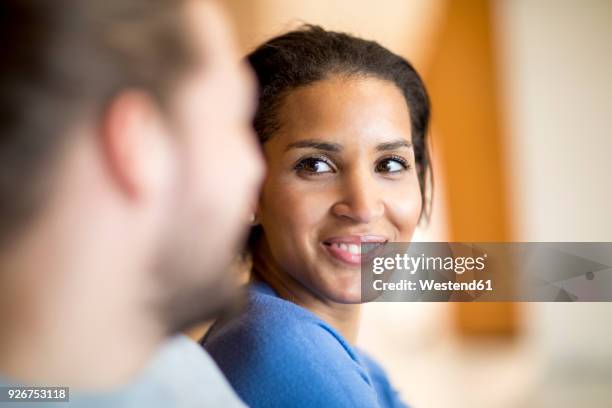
(256, 214)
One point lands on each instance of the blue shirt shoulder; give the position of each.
(278, 354)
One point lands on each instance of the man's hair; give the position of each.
(62, 62)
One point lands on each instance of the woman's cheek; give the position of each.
(306, 211)
(404, 211)
(290, 210)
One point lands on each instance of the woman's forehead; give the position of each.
(342, 110)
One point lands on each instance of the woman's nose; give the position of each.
(360, 200)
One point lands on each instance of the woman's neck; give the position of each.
(342, 317)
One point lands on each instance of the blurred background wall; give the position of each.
(522, 145)
(556, 64)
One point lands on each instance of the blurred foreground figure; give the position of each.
(127, 168)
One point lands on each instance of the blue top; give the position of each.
(278, 354)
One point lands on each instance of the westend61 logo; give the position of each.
(412, 264)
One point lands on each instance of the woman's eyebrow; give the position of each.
(393, 145)
(315, 144)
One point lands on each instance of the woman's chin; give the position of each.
(342, 292)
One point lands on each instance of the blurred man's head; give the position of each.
(134, 116)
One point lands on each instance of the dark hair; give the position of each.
(62, 60)
(310, 54)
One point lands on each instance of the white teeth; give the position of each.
(357, 249)
(351, 248)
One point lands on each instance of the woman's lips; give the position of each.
(348, 253)
(348, 248)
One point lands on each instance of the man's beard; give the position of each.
(194, 287)
(184, 308)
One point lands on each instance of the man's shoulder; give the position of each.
(180, 375)
(185, 371)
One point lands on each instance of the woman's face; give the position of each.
(341, 171)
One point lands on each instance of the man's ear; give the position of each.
(136, 144)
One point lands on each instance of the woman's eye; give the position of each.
(314, 165)
(391, 165)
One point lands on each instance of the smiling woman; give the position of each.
(343, 164)
(343, 125)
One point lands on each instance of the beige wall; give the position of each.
(557, 63)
